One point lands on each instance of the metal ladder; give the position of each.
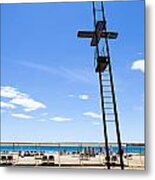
(106, 84)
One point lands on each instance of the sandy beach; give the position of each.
(53, 160)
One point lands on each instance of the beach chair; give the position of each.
(44, 160)
(3, 160)
(114, 160)
(51, 160)
(9, 160)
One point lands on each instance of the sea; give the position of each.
(67, 148)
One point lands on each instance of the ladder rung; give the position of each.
(110, 103)
(110, 120)
(106, 80)
(108, 108)
(106, 85)
(110, 114)
(107, 91)
(107, 96)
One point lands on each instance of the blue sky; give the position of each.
(49, 89)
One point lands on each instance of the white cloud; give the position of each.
(7, 105)
(92, 115)
(83, 97)
(138, 65)
(21, 99)
(22, 116)
(10, 92)
(28, 103)
(60, 119)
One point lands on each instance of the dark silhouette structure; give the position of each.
(99, 40)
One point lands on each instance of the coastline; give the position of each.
(74, 155)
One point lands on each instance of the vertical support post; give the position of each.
(113, 97)
(102, 100)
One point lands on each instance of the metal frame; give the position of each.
(96, 36)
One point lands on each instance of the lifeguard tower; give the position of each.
(99, 40)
